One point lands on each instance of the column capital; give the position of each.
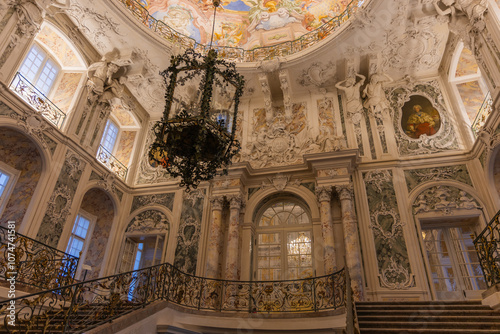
(345, 191)
(324, 194)
(235, 201)
(217, 202)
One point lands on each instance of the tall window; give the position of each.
(109, 136)
(40, 69)
(284, 242)
(79, 235)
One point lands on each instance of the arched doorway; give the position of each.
(21, 167)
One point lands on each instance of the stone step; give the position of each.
(441, 312)
(427, 331)
(426, 318)
(442, 302)
(402, 325)
(422, 307)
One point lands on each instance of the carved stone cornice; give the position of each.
(345, 191)
(217, 202)
(324, 194)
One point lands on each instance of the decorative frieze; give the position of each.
(150, 221)
(459, 173)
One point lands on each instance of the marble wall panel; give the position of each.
(98, 203)
(459, 173)
(166, 200)
(66, 90)
(188, 237)
(59, 47)
(20, 153)
(125, 146)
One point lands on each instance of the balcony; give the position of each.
(482, 115)
(31, 95)
(112, 163)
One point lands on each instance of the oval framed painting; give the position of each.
(419, 117)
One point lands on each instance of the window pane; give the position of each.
(32, 63)
(109, 136)
(47, 77)
(4, 178)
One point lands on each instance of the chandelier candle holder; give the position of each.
(195, 136)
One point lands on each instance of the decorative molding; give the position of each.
(396, 270)
(217, 202)
(345, 191)
(166, 200)
(148, 174)
(319, 75)
(324, 194)
(444, 139)
(150, 221)
(444, 200)
(415, 177)
(235, 202)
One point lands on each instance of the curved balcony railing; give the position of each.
(482, 114)
(487, 245)
(29, 93)
(240, 54)
(79, 307)
(33, 263)
(112, 163)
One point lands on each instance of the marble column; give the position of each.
(324, 195)
(233, 239)
(214, 249)
(352, 248)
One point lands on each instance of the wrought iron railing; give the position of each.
(29, 93)
(487, 245)
(482, 114)
(79, 307)
(240, 54)
(33, 263)
(111, 162)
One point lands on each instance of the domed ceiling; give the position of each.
(246, 23)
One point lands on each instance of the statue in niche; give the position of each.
(464, 15)
(352, 92)
(376, 102)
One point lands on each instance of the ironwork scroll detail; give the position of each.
(29, 93)
(79, 307)
(111, 162)
(36, 264)
(487, 245)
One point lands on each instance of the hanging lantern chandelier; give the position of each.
(195, 136)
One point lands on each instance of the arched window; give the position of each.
(284, 241)
(468, 86)
(50, 75)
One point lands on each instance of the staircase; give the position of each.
(461, 317)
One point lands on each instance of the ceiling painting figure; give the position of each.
(245, 23)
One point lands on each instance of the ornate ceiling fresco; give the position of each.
(246, 23)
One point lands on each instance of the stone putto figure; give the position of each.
(103, 84)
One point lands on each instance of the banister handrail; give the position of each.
(88, 304)
(37, 264)
(487, 245)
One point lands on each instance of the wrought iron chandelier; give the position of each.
(195, 136)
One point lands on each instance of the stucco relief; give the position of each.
(414, 177)
(61, 199)
(444, 139)
(444, 200)
(166, 200)
(418, 48)
(284, 143)
(148, 174)
(392, 255)
(150, 221)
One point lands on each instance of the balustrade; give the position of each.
(487, 245)
(29, 93)
(111, 162)
(79, 307)
(35, 264)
